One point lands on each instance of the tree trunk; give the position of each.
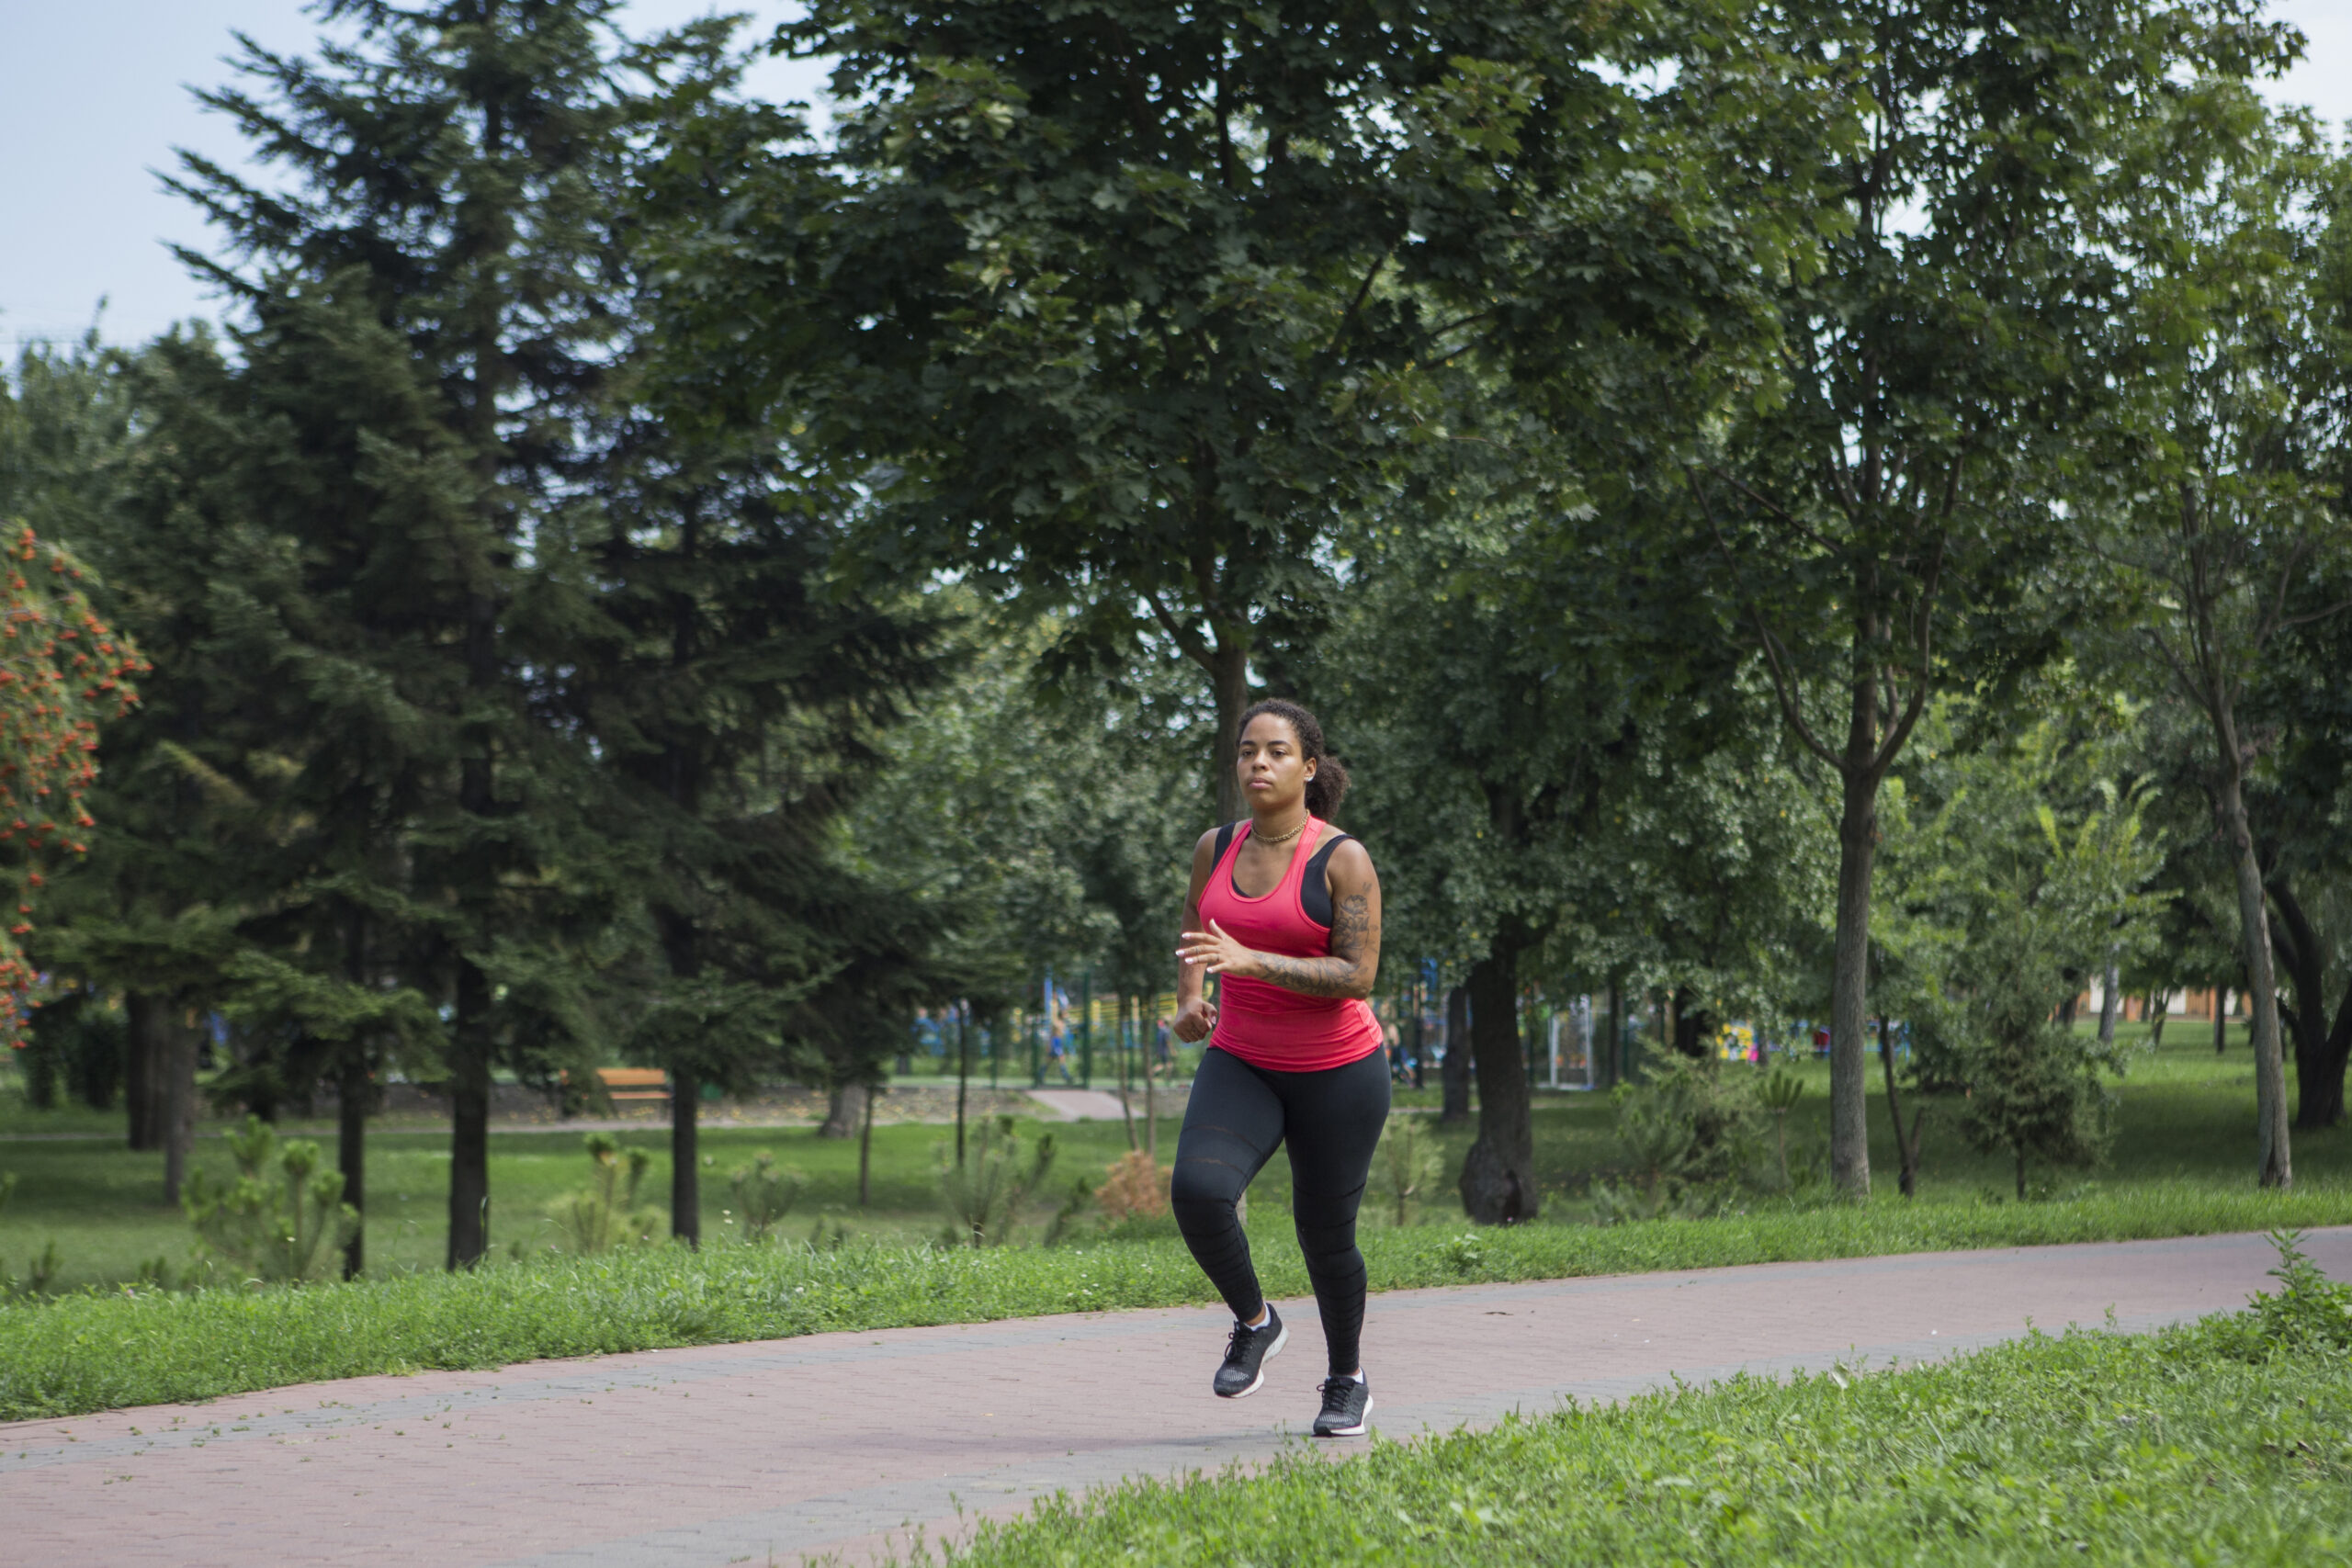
(1849, 1147)
(1906, 1149)
(2320, 1041)
(1151, 1099)
(354, 1101)
(470, 1120)
(143, 1075)
(179, 1101)
(1420, 1047)
(1453, 1078)
(865, 1147)
(843, 1106)
(2322, 1089)
(1229, 681)
(2020, 1154)
(1612, 1051)
(1498, 1173)
(686, 1157)
(2159, 1002)
(147, 1069)
(1126, 1106)
(2274, 1164)
(1692, 1029)
(964, 1074)
(2109, 1004)
(354, 1095)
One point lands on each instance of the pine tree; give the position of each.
(733, 687)
(446, 184)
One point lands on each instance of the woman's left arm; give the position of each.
(1354, 965)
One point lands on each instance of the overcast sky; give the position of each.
(94, 96)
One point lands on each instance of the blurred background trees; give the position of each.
(1828, 521)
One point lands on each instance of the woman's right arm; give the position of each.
(1195, 1014)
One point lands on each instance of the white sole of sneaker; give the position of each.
(1272, 1350)
(1355, 1431)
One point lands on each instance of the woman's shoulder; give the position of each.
(1211, 846)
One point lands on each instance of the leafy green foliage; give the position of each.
(62, 671)
(2003, 909)
(1890, 513)
(281, 1213)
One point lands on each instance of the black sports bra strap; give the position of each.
(1321, 858)
(1313, 890)
(1225, 840)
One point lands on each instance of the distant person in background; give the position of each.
(1285, 910)
(1161, 1055)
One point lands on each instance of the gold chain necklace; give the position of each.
(1274, 843)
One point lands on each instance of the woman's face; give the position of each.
(1273, 774)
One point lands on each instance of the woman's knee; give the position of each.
(1329, 1245)
(1200, 1187)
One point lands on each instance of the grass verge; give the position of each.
(100, 1349)
(2220, 1442)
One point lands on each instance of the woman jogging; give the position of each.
(1286, 910)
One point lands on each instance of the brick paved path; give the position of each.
(692, 1459)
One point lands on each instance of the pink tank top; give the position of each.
(1263, 1023)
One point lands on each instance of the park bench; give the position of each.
(634, 1083)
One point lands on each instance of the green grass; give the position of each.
(97, 1350)
(2098, 1447)
(101, 1203)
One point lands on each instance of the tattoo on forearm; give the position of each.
(1353, 936)
(1351, 928)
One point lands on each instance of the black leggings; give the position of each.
(1331, 1120)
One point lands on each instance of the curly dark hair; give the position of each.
(1329, 785)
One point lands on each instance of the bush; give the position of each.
(1137, 1189)
(2308, 1311)
(985, 1193)
(1688, 1132)
(606, 1214)
(765, 1193)
(281, 1215)
(1405, 1166)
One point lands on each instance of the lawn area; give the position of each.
(2207, 1444)
(2186, 1117)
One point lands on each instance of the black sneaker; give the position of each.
(1346, 1402)
(1247, 1353)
